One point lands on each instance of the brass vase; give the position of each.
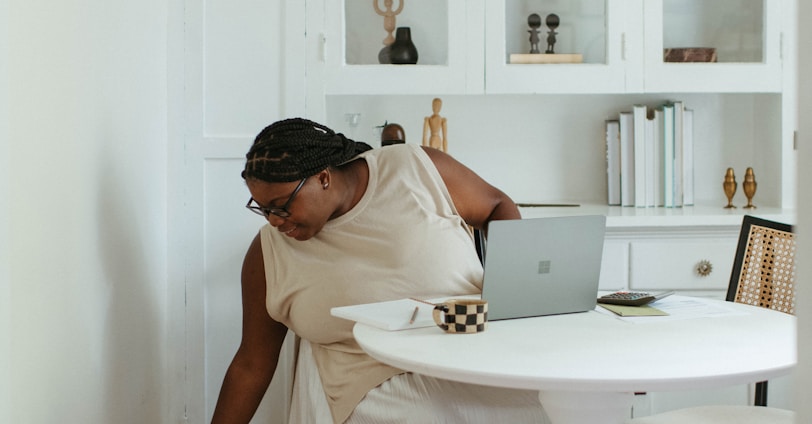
(749, 187)
(730, 187)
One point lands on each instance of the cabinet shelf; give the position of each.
(620, 218)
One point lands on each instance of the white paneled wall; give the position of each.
(241, 74)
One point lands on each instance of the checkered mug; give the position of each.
(461, 315)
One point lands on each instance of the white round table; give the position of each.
(587, 366)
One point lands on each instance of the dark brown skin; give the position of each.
(324, 196)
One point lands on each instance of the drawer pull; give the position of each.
(704, 268)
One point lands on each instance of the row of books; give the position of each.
(650, 156)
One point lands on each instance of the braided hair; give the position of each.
(292, 149)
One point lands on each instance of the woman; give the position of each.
(349, 225)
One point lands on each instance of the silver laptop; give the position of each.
(543, 266)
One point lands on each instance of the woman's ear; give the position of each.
(324, 178)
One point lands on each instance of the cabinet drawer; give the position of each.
(672, 264)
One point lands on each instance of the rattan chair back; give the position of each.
(764, 268)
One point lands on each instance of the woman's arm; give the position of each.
(255, 362)
(476, 200)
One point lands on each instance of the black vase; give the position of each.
(403, 51)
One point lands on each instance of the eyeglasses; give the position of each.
(282, 212)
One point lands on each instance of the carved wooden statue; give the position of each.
(534, 21)
(388, 18)
(434, 128)
(552, 22)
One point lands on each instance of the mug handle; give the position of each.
(438, 314)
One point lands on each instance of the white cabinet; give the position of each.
(600, 30)
(447, 34)
(656, 253)
(465, 46)
(518, 116)
(544, 122)
(686, 262)
(623, 42)
(749, 37)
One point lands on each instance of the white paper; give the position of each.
(681, 307)
(390, 315)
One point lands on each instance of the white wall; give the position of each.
(5, 247)
(84, 211)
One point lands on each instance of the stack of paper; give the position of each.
(390, 315)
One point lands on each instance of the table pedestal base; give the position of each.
(586, 407)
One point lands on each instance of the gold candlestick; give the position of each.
(749, 187)
(730, 187)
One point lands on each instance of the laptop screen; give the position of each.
(543, 266)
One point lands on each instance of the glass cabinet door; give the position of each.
(446, 41)
(552, 46)
(713, 46)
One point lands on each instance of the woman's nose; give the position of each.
(274, 220)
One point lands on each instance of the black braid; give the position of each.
(296, 148)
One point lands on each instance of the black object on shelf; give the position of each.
(403, 51)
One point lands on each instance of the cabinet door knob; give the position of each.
(704, 268)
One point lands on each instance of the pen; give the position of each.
(414, 315)
(422, 301)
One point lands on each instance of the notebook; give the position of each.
(543, 266)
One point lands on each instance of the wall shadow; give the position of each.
(134, 338)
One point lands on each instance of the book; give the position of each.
(389, 315)
(639, 120)
(688, 157)
(658, 156)
(626, 120)
(613, 162)
(650, 159)
(668, 155)
(679, 192)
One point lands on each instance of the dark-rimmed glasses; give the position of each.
(281, 212)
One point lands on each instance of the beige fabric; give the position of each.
(419, 399)
(403, 239)
(721, 414)
(413, 398)
(308, 405)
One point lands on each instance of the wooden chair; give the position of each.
(763, 275)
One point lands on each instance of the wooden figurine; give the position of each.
(534, 21)
(552, 22)
(749, 187)
(434, 128)
(388, 18)
(730, 187)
